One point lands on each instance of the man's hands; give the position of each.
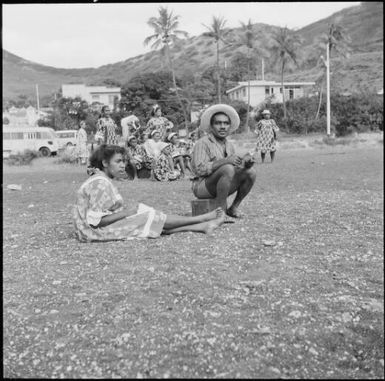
(235, 160)
(246, 162)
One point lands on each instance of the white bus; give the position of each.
(66, 138)
(17, 139)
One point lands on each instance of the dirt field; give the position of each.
(293, 290)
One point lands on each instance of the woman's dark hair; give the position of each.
(102, 110)
(218, 113)
(105, 152)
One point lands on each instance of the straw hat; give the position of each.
(163, 145)
(226, 109)
(171, 135)
(265, 112)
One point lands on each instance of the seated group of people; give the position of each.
(101, 215)
(167, 160)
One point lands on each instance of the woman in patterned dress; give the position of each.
(266, 131)
(106, 128)
(137, 155)
(164, 169)
(81, 143)
(159, 123)
(100, 213)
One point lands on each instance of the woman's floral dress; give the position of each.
(81, 145)
(163, 169)
(98, 197)
(106, 127)
(140, 157)
(160, 124)
(265, 135)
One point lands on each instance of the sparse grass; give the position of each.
(310, 305)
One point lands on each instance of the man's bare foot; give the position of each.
(213, 224)
(233, 212)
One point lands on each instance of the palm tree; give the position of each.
(336, 40)
(217, 31)
(285, 51)
(165, 34)
(249, 39)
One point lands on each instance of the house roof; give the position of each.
(268, 83)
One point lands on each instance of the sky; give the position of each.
(71, 35)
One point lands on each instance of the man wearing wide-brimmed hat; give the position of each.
(219, 172)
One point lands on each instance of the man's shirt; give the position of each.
(207, 150)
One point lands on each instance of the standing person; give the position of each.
(218, 171)
(266, 130)
(130, 126)
(81, 143)
(106, 128)
(159, 123)
(100, 214)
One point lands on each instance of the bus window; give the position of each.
(43, 135)
(17, 135)
(6, 135)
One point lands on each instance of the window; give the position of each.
(111, 99)
(95, 97)
(291, 94)
(280, 90)
(267, 91)
(43, 135)
(244, 92)
(6, 135)
(30, 135)
(272, 90)
(17, 135)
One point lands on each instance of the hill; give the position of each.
(362, 71)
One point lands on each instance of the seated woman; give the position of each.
(153, 145)
(177, 152)
(138, 156)
(100, 214)
(164, 168)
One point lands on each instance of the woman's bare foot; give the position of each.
(213, 224)
(212, 215)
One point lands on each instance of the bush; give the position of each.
(24, 158)
(356, 113)
(68, 156)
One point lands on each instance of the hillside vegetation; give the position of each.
(363, 71)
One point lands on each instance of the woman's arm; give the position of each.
(111, 218)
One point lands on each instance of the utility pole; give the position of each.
(327, 63)
(263, 70)
(37, 96)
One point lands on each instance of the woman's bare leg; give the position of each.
(174, 221)
(206, 227)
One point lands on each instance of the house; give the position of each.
(23, 116)
(261, 90)
(101, 94)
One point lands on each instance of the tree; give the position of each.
(217, 31)
(165, 34)
(248, 39)
(336, 40)
(284, 51)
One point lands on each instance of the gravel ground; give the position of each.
(292, 290)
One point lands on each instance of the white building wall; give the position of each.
(76, 90)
